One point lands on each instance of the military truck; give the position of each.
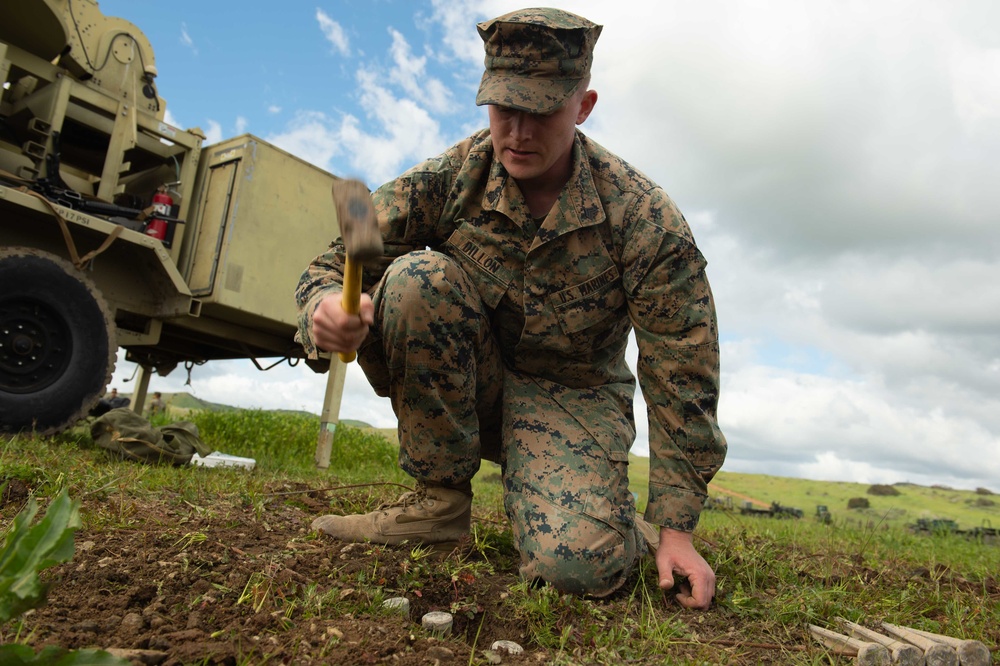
(776, 510)
(119, 230)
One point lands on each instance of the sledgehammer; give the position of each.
(362, 241)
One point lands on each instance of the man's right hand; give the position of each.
(335, 331)
(677, 555)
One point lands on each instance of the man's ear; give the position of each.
(586, 106)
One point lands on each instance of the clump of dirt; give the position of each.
(15, 492)
(241, 584)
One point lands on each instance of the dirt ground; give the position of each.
(182, 585)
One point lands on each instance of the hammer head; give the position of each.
(358, 224)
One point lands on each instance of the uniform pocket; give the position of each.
(592, 314)
(486, 269)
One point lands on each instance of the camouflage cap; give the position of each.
(535, 58)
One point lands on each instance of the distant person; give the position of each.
(157, 405)
(516, 266)
(116, 401)
(106, 404)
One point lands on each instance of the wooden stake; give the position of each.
(902, 654)
(970, 653)
(935, 654)
(866, 654)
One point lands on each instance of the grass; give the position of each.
(774, 576)
(967, 507)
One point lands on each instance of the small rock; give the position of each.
(186, 635)
(86, 626)
(133, 623)
(160, 644)
(399, 604)
(440, 653)
(151, 657)
(155, 607)
(85, 546)
(437, 622)
(510, 647)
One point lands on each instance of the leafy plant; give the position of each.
(27, 550)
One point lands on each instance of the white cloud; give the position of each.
(282, 387)
(213, 133)
(795, 418)
(334, 33)
(401, 132)
(311, 136)
(820, 128)
(170, 119)
(241, 124)
(186, 39)
(899, 293)
(406, 132)
(410, 73)
(457, 20)
(274, 109)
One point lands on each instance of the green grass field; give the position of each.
(775, 576)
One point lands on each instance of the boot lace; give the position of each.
(408, 498)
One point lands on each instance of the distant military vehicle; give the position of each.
(776, 510)
(118, 229)
(720, 503)
(935, 525)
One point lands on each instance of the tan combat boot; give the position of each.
(431, 514)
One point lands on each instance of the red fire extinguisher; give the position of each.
(157, 226)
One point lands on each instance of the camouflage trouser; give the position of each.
(432, 352)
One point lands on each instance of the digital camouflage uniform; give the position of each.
(502, 337)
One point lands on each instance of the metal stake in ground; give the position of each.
(970, 653)
(903, 654)
(935, 654)
(866, 654)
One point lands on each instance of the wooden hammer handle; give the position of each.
(350, 299)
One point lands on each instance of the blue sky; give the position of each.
(836, 161)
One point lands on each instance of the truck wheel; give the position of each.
(56, 351)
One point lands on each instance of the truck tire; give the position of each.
(56, 349)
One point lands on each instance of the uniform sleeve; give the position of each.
(409, 211)
(673, 312)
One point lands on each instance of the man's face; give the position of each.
(537, 148)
